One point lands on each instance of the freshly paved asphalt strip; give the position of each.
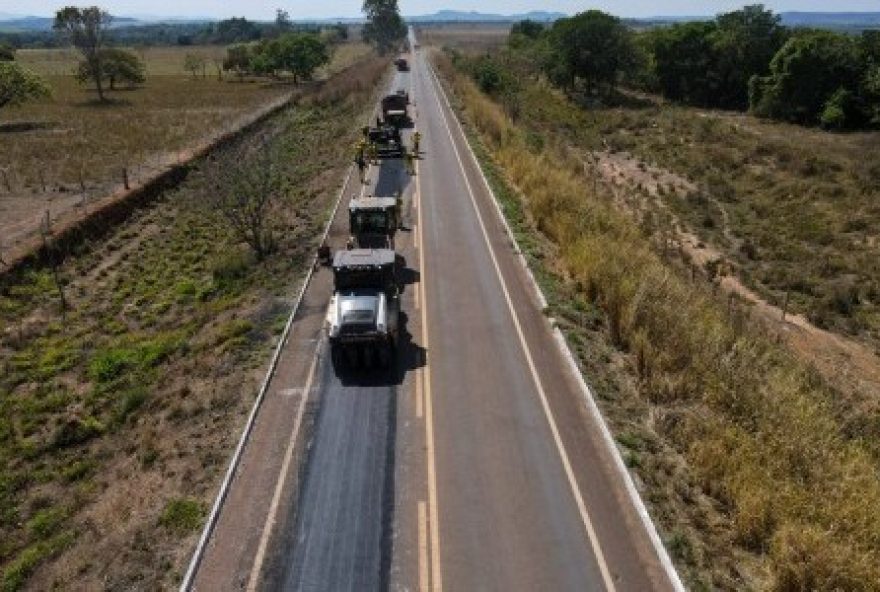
(473, 464)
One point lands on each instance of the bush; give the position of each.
(182, 515)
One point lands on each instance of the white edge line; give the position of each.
(564, 348)
(199, 552)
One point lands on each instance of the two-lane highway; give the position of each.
(478, 463)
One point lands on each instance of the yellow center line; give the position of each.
(433, 522)
(423, 547)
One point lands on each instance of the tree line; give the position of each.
(224, 32)
(743, 60)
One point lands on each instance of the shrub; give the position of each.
(182, 515)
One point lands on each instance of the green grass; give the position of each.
(183, 515)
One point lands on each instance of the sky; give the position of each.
(307, 9)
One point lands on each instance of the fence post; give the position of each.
(125, 177)
(785, 306)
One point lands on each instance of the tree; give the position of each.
(117, 65)
(814, 76)
(238, 59)
(304, 53)
(282, 20)
(194, 63)
(592, 46)
(298, 53)
(245, 191)
(86, 29)
(744, 42)
(684, 60)
(7, 53)
(18, 85)
(384, 28)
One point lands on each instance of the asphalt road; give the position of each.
(474, 464)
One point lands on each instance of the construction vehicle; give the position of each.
(373, 221)
(362, 320)
(394, 109)
(402, 65)
(386, 140)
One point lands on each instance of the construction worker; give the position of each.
(410, 162)
(417, 137)
(359, 151)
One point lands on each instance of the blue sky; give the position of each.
(265, 9)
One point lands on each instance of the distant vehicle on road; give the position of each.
(373, 222)
(402, 65)
(362, 321)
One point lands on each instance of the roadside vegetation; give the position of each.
(759, 475)
(792, 210)
(128, 365)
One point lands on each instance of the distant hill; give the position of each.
(43, 23)
(460, 16)
(831, 19)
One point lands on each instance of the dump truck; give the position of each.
(402, 65)
(387, 141)
(373, 222)
(394, 109)
(362, 320)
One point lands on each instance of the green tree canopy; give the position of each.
(810, 70)
(7, 53)
(238, 59)
(684, 61)
(743, 43)
(298, 53)
(384, 28)
(592, 46)
(18, 85)
(117, 65)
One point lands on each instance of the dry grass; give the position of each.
(69, 147)
(793, 491)
(116, 419)
(475, 37)
(793, 210)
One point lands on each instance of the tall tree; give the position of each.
(684, 61)
(384, 28)
(86, 29)
(18, 84)
(744, 42)
(591, 46)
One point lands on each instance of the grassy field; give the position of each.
(756, 475)
(118, 416)
(57, 151)
(464, 36)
